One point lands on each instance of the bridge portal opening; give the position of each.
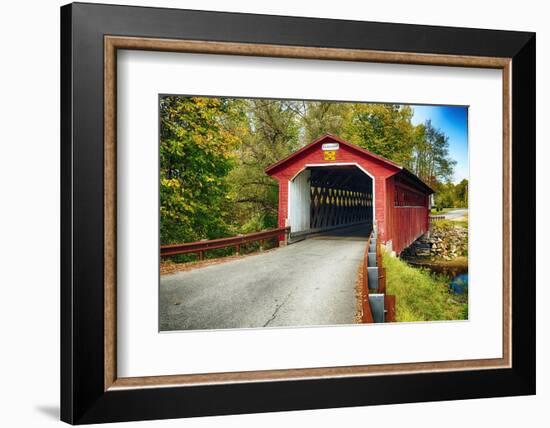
(329, 197)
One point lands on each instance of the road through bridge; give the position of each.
(311, 282)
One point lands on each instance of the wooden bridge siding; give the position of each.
(344, 155)
(404, 224)
(283, 204)
(380, 206)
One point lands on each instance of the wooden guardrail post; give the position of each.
(381, 279)
(389, 308)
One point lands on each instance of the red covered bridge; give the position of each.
(331, 183)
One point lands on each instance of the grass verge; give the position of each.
(419, 294)
(449, 224)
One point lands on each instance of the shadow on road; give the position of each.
(354, 233)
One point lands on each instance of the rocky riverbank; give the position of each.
(445, 241)
(444, 252)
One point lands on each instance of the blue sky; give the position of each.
(453, 122)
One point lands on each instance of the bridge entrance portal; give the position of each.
(330, 196)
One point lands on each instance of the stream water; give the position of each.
(456, 272)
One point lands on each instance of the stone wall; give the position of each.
(446, 242)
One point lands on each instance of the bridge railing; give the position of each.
(434, 218)
(374, 279)
(199, 247)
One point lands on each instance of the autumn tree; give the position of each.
(273, 133)
(431, 160)
(198, 138)
(384, 129)
(451, 195)
(320, 118)
(462, 194)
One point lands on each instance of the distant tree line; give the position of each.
(213, 152)
(451, 195)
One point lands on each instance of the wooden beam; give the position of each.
(389, 307)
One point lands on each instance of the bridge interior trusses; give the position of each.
(340, 195)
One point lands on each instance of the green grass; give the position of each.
(420, 295)
(461, 223)
(449, 224)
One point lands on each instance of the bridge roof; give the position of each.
(270, 170)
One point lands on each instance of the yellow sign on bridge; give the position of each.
(329, 155)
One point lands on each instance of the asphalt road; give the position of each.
(454, 214)
(311, 282)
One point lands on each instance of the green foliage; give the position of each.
(198, 137)
(451, 195)
(420, 295)
(272, 134)
(384, 129)
(461, 194)
(431, 160)
(387, 130)
(320, 118)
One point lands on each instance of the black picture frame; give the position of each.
(83, 398)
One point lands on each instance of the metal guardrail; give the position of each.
(367, 313)
(213, 244)
(373, 254)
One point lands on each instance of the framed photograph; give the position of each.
(265, 213)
